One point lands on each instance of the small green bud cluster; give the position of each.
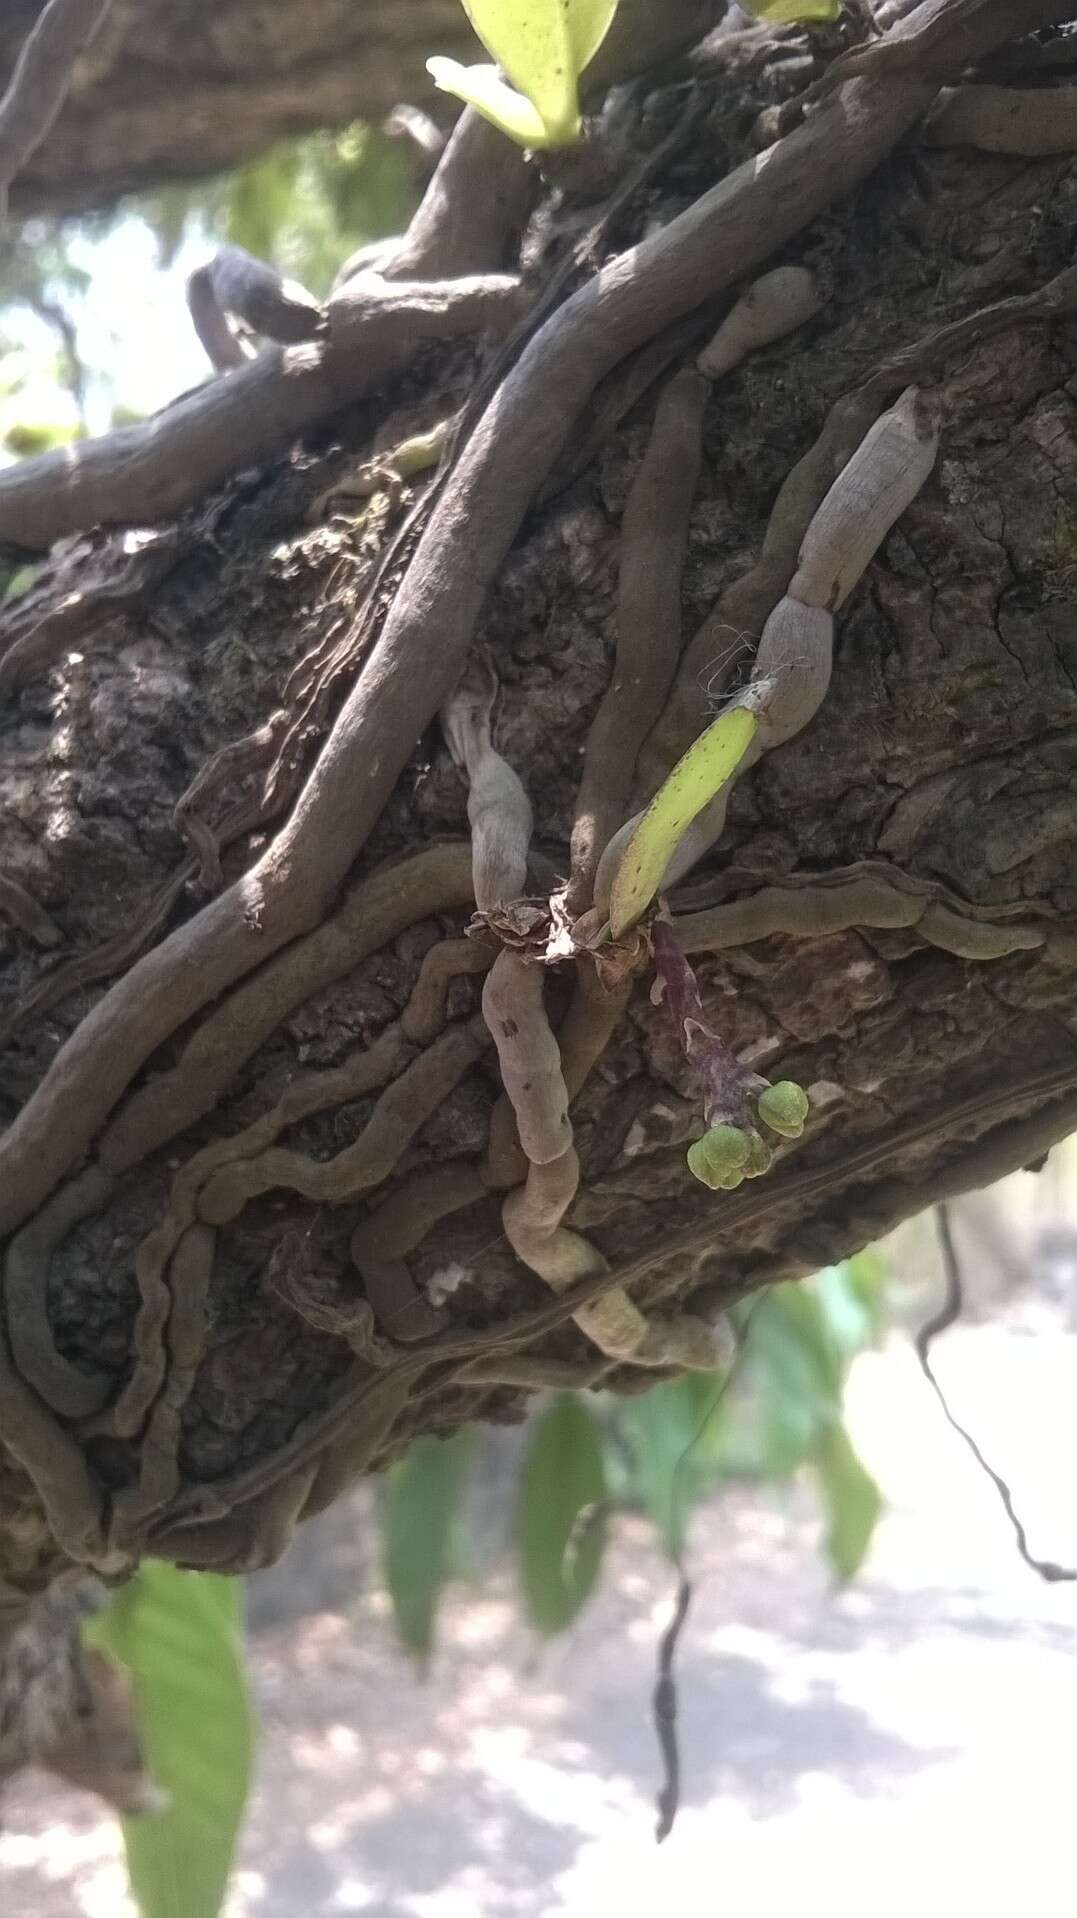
(728, 1154)
(784, 1108)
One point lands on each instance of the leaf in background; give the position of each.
(26, 438)
(543, 47)
(853, 1500)
(868, 1275)
(563, 1474)
(179, 1634)
(849, 1310)
(697, 776)
(793, 1384)
(422, 1500)
(674, 1450)
(261, 198)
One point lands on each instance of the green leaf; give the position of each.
(179, 1634)
(261, 197)
(422, 1499)
(26, 438)
(853, 1500)
(560, 1550)
(543, 47)
(787, 13)
(849, 1308)
(483, 88)
(793, 1378)
(674, 1450)
(705, 767)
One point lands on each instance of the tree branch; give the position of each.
(151, 471)
(41, 80)
(425, 640)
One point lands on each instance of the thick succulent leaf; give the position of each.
(483, 88)
(180, 1636)
(543, 47)
(705, 767)
(561, 1528)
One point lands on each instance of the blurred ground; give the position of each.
(905, 1744)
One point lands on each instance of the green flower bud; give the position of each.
(784, 1108)
(719, 1158)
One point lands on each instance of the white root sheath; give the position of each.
(532, 1218)
(869, 495)
(792, 670)
(498, 809)
(773, 306)
(530, 1059)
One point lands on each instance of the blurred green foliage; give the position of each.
(780, 1414)
(180, 1636)
(304, 206)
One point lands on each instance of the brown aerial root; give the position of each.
(353, 1451)
(403, 1109)
(366, 1404)
(72, 1503)
(43, 623)
(328, 1305)
(23, 910)
(65, 1387)
(653, 540)
(138, 474)
(793, 660)
(408, 676)
(249, 1539)
(361, 1073)
(380, 1244)
(424, 1014)
(654, 534)
(724, 641)
(42, 76)
(373, 913)
(773, 306)
(1031, 122)
(233, 282)
(514, 1008)
(815, 912)
(190, 1270)
(234, 761)
(530, 1372)
(594, 1013)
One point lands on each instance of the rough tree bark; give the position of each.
(205, 1339)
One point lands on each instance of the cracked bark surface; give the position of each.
(947, 747)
